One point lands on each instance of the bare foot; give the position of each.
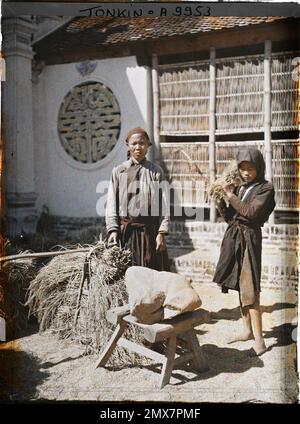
(242, 337)
(259, 347)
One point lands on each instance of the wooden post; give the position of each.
(156, 118)
(169, 362)
(268, 115)
(107, 352)
(199, 359)
(149, 125)
(212, 128)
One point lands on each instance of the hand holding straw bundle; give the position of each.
(230, 176)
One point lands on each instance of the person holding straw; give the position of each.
(239, 265)
(137, 214)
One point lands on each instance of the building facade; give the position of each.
(201, 87)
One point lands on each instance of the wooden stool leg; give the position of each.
(169, 362)
(111, 344)
(199, 358)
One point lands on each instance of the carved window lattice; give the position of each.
(89, 122)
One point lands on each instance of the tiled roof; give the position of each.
(86, 30)
(111, 35)
(130, 29)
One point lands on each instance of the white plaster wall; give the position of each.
(66, 189)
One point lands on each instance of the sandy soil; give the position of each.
(40, 366)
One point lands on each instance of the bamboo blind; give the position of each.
(184, 95)
(240, 90)
(286, 174)
(184, 100)
(284, 93)
(189, 162)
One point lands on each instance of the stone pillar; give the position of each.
(19, 167)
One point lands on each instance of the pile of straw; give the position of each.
(230, 176)
(15, 277)
(53, 294)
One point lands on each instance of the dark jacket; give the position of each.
(245, 219)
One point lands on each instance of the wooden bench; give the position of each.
(168, 330)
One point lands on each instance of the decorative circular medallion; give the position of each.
(89, 122)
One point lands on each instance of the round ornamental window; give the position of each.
(89, 122)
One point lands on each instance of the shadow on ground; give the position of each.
(20, 374)
(68, 359)
(221, 360)
(235, 314)
(282, 333)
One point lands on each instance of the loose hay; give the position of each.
(15, 277)
(52, 297)
(230, 175)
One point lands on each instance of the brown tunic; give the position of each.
(136, 213)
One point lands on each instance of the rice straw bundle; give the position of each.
(53, 295)
(230, 175)
(15, 277)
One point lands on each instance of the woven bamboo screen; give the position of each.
(184, 95)
(184, 99)
(240, 90)
(189, 162)
(286, 174)
(284, 93)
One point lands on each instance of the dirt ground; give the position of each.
(40, 366)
